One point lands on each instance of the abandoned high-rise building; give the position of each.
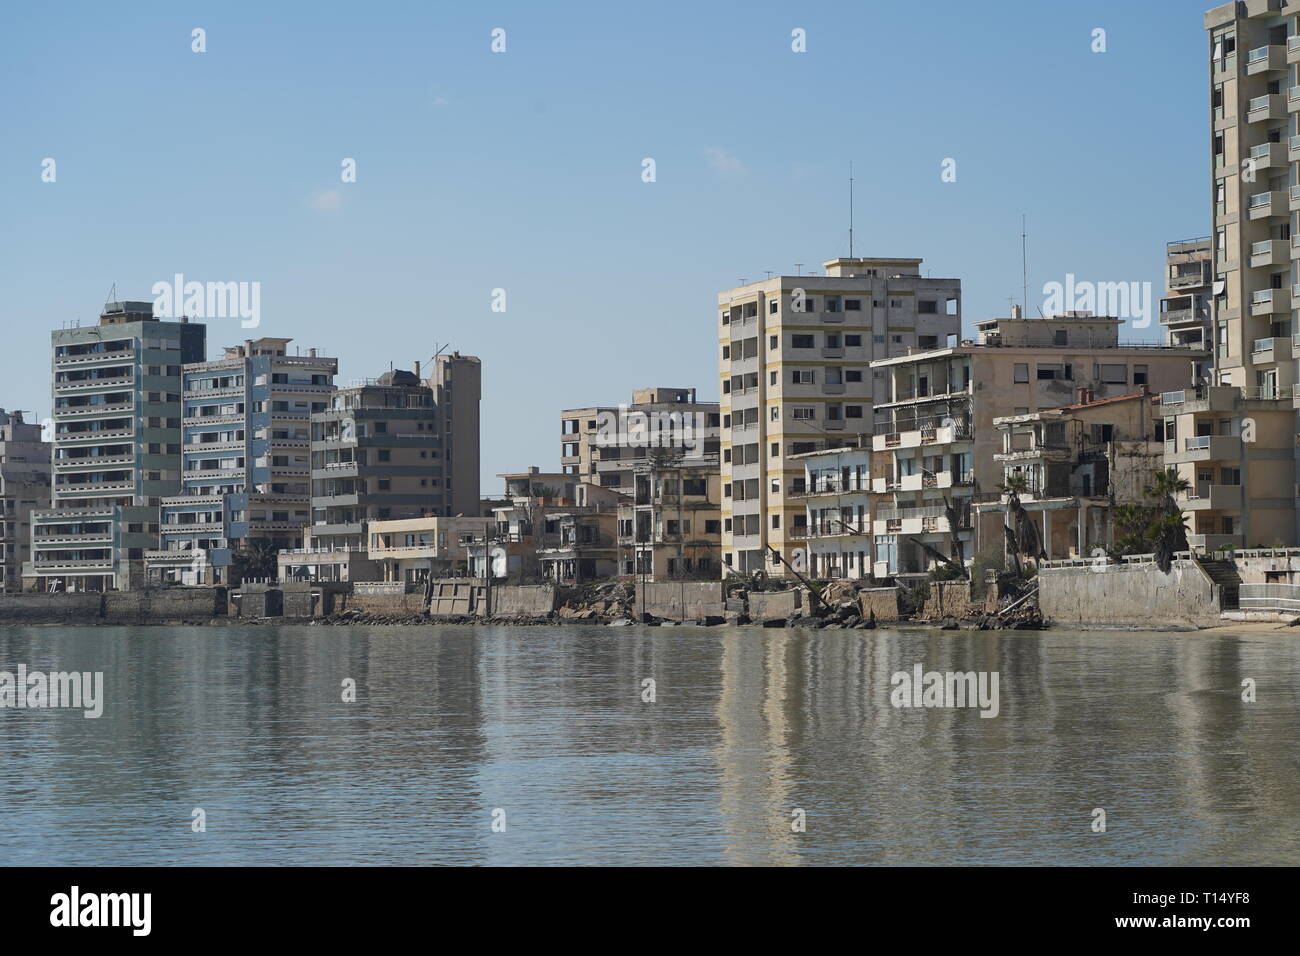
(794, 358)
(117, 447)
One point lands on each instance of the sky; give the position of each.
(522, 171)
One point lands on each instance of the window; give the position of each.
(1139, 375)
(852, 341)
(853, 375)
(774, 413)
(773, 342)
(776, 449)
(852, 305)
(801, 341)
(1022, 372)
(776, 521)
(1112, 374)
(852, 411)
(771, 307)
(803, 376)
(927, 307)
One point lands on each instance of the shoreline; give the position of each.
(1227, 628)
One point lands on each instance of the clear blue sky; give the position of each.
(522, 171)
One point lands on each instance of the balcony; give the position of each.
(1270, 156)
(1266, 59)
(1205, 448)
(1185, 316)
(1264, 205)
(1207, 543)
(1293, 99)
(1262, 109)
(1270, 350)
(1270, 302)
(1190, 276)
(1212, 498)
(1270, 252)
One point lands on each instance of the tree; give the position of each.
(257, 560)
(1021, 530)
(1168, 530)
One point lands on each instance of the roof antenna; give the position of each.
(1024, 266)
(850, 209)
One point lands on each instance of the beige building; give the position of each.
(1185, 308)
(1253, 52)
(1079, 463)
(536, 537)
(937, 440)
(670, 527)
(415, 549)
(1237, 453)
(24, 487)
(457, 383)
(794, 355)
(605, 444)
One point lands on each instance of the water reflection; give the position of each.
(549, 727)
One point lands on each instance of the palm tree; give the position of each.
(1021, 531)
(1168, 530)
(257, 560)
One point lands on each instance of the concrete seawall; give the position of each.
(154, 606)
(1129, 595)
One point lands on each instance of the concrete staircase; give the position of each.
(1224, 574)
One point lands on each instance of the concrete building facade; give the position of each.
(1079, 463)
(937, 440)
(24, 488)
(795, 357)
(836, 491)
(117, 447)
(605, 444)
(376, 455)
(245, 459)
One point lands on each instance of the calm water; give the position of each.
(549, 726)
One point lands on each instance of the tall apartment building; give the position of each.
(935, 451)
(245, 459)
(1185, 307)
(377, 454)
(1254, 95)
(457, 384)
(117, 447)
(1254, 54)
(594, 452)
(794, 357)
(24, 487)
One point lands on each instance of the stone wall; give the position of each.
(384, 599)
(152, 605)
(773, 605)
(524, 600)
(883, 602)
(684, 601)
(50, 608)
(1129, 595)
(956, 599)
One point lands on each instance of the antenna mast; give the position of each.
(850, 209)
(1024, 263)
